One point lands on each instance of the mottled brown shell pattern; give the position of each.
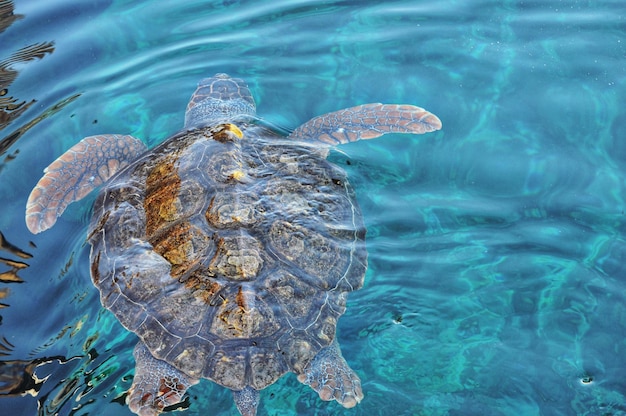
(229, 257)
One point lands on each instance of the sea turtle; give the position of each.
(229, 249)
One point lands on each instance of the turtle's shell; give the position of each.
(229, 257)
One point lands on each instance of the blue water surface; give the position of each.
(497, 276)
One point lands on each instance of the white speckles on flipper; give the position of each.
(76, 173)
(247, 401)
(366, 121)
(156, 384)
(331, 377)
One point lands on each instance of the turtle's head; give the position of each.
(219, 99)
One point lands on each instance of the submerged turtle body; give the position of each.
(228, 249)
(259, 240)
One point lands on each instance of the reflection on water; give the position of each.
(60, 384)
(10, 275)
(7, 17)
(28, 377)
(20, 375)
(12, 107)
(17, 377)
(13, 137)
(72, 383)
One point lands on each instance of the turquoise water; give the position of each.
(497, 246)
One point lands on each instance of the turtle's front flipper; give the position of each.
(156, 384)
(366, 121)
(331, 377)
(247, 401)
(77, 172)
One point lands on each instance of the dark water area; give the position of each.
(496, 281)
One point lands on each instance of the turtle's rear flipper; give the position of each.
(247, 401)
(366, 121)
(156, 384)
(77, 172)
(331, 377)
